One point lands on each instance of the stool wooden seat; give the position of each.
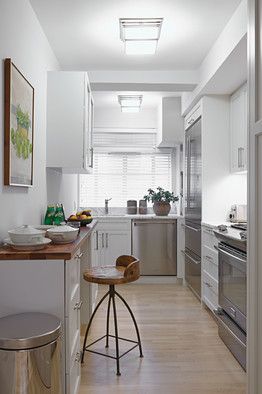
(125, 270)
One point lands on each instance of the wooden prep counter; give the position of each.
(52, 251)
(51, 281)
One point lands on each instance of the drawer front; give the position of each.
(210, 282)
(73, 318)
(208, 237)
(113, 224)
(74, 372)
(210, 261)
(72, 277)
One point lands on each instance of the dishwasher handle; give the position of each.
(154, 221)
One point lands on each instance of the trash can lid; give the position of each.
(28, 330)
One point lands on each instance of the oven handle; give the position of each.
(231, 255)
(191, 258)
(217, 313)
(193, 228)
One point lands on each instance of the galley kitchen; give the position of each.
(130, 197)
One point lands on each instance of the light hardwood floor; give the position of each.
(182, 351)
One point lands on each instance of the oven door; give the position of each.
(232, 283)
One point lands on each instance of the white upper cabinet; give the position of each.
(170, 123)
(70, 119)
(238, 130)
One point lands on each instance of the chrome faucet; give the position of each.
(106, 205)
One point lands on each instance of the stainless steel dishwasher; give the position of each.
(154, 242)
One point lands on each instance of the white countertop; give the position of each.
(214, 223)
(137, 216)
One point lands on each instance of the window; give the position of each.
(124, 176)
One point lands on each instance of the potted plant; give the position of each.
(161, 200)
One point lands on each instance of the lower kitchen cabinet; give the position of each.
(112, 240)
(209, 268)
(49, 286)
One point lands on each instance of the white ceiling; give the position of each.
(84, 34)
(150, 99)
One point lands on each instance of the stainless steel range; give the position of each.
(232, 296)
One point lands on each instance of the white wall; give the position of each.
(23, 40)
(62, 188)
(232, 37)
(114, 118)
(220, 188)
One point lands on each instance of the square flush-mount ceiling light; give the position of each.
(140, 35)
(130, 103)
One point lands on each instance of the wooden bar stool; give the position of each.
(126, 270)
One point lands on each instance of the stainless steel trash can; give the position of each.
(30, 354)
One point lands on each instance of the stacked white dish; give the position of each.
(27, 238)
(62, 234)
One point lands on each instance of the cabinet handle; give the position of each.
(208, 284)
(96, 240)
(78, 256)
(209, 258)
(103, 241)
(106, 240)
(78, 305)
(240, 157)
(92, 158)
(78, 357)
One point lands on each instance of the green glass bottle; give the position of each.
(49, 216)
(59, 215)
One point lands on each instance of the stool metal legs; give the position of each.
(107, 321)
(134, 321)
(89, 324)
(112, 294)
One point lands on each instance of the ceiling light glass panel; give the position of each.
(142, 32)
(141, 47)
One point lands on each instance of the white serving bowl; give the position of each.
(26, 235)
(62, 234)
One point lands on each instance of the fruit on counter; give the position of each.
(73, 217)
(86, 212)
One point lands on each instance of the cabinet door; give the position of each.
(72, 324)
(95, 259)
(238, 127)
(116, 243)
(86, 129)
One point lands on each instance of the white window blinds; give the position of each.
(124, 176)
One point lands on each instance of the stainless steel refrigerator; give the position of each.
(193, 202)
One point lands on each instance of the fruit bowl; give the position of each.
(83, 218)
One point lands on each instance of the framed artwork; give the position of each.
(19, 128)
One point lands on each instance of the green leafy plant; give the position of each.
(160, 195)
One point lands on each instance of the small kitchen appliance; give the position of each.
(238, 213)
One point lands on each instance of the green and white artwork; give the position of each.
(19, 127)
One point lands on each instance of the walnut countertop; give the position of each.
(52, 251)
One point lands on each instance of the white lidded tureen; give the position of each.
(26, 235)
(62, 234)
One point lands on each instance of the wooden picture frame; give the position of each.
(18, 127)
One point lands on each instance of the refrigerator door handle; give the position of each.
(190, 257)
(197, 230)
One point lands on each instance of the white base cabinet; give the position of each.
(49, 286)
(209, 268)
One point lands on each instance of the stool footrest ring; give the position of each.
(107, 355)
